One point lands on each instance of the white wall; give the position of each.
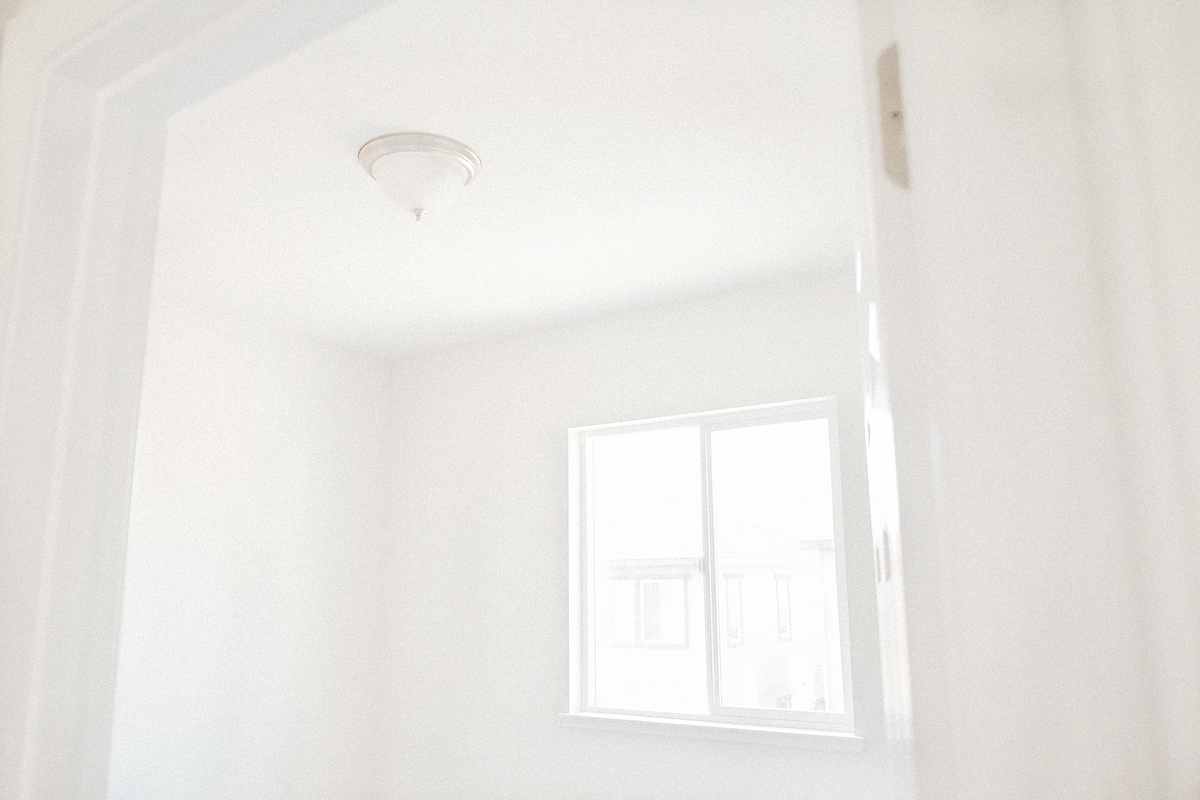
(477, 669)
(981, 129)
(251, 629)
(1033, 281)
(8, 9)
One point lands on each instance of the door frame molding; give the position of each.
(86, 89)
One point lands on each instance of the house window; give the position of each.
(706, 569)
(733, 610)
(646, 612)
(783, 606)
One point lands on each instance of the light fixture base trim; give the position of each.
(391, 143)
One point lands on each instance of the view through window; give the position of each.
(708, 555)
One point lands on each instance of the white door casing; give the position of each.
(85, 90)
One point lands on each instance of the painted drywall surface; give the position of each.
(1153, 191)
(477, 668)
(251, 627)
(1004, 336)
(8, 9)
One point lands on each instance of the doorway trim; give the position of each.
(86, 89)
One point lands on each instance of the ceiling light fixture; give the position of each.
(419, 171)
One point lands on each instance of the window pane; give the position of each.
(644, 520)
(772, 496)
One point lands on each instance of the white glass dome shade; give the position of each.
(419, 171)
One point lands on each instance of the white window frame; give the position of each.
(814, 728)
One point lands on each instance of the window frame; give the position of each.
(582, 628)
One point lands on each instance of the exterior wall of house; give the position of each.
(786, 653)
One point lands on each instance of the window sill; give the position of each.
(754, 734)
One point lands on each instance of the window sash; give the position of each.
(584, 627)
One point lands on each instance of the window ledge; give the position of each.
(755, 734)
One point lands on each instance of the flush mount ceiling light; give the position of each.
(419, 171)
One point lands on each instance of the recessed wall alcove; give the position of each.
(338, 577)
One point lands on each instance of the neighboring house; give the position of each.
(777, 613)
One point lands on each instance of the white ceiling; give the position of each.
(632, 152)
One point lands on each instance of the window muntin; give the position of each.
(716, 538)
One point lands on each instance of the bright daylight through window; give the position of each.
(706, 563)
